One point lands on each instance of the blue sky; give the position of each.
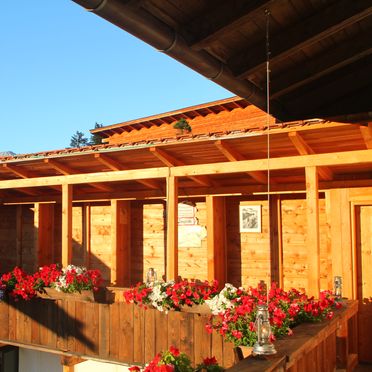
(62, 69)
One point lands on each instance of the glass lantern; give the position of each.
(263, 346)
(337, 285)
(151, 276)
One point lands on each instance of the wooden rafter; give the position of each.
(66, 170)
(23, 173)
(304, 149)
(232, 155)
(310, 31)
(367, 135)
(170, 161)
(221, 19)
(116, 166)
(325, 63)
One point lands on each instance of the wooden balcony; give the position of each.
(129, 334)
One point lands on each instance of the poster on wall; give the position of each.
(250, 218)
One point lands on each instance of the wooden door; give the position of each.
(364, 280)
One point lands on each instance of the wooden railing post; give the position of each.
(172, 228)
(313, 242)
(66, 224)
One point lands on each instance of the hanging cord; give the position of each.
(267, 13)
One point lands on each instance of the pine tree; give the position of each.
(79, 140)
(96, 139)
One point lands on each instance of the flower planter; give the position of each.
(196, 309)
(53, 294)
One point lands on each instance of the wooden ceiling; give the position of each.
(320, 49)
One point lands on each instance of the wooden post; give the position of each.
(19, 226)
(66, 224)
(313, 241)
(216, 238)
(44, 236)
(276, 247)
(120, 243)
(172, 228)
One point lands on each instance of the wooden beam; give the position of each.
(170, 161)
(222, 18)
(367, 135)
(329, 21)
(216, 239)
(233, 155)
(276, 246)
(28, 191)
(304, 149)
(172, 228)
(23, 173)
(120, 243)
(66, 224)
(313, 240)
(70, 361)
(343, 54)
(116, 166)
(66, 170)
(19, 234)
(288, 162)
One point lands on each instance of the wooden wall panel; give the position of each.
(101, 239)
(248, 253)
(8, 236)
(78, 238)
(29, 250)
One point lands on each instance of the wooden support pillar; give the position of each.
(44, 236)
(120, 242)
(66, 224)
(313, 241)
(276, 247)
(172, 228)
(19, 227)
(216, 238)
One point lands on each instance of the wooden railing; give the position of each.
(324, 346)
(113, 332)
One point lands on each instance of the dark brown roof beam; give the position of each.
(325, 63)
(232, 155)
(366, 132)
(304, 149)
(219, 20)
(329, 21)
(29, 191)
(116, 166)
(170, 161)
(66, 170)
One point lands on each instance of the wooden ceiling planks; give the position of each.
(310, 40)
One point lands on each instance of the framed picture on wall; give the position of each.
(250, 218)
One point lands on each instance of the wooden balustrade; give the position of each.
(113, 332)
(325, 346)
(129, 334)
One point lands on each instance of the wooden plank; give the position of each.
(217, 346)
(92, 328)
(174, 329)
(19, 225)
(126, 332)
(313, 242)
(104, 330)
(79, 340)
(44, 223)
(187, 337)
(203, 340)
(114, 330)
(73, 325)
(139, 334)
(66, 224)
(367, 135)
(120, 242)
(216, 239)
(62, 326)
(172, 228)
(150, 339)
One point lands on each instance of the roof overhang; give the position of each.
(320, 51)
